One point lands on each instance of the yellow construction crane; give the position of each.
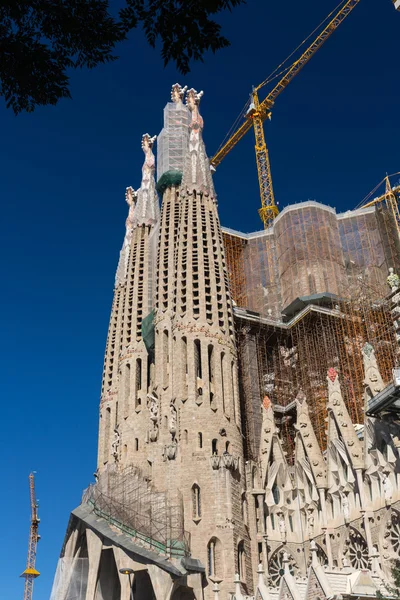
(391, 198)
(259, 111)
(30, 572)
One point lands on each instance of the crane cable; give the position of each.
(368, 196)
(235, 124)
(274, 75)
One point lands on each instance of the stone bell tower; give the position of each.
(195, 395)
(127, 366)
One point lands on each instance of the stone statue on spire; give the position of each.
(130, 197)
(196, 174)
(177, 94)
(147, 208)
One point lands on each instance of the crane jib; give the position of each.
(261, 110)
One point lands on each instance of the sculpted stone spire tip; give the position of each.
(147, 208)
(196, 173)
(178, 93)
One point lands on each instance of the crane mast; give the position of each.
(259, 111)
(30, 572)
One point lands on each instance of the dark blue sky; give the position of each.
(333, 136)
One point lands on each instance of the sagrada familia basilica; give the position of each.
(249, 436)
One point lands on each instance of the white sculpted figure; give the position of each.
(346, 507)
(393, 280)
(115, 443)
(147, 208)
(196, 128)
(172, 419)
(152, 404)
(130, 197)
(387, 488)
(310, 522)
(282, 526)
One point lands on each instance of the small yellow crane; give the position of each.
(259, 111)
(391, 197)
(30, 572)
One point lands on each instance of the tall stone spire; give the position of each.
(196, 383)
(339, 421)
(307, 441)
(122, 269)
(127, 364)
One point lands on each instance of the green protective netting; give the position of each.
(148, 334)
(168, 179)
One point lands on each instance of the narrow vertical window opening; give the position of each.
(197, 359)
(196, 499)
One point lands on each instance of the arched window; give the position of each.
(184, 367)
(127, 383)
(227, 447)
(254, 477)
(214, 447)
(214, 558)
(291, 522)
(165, 358)
(197, 359)
(138, 381)
(107, 427)
(241, 557)
(275, 493)
(222, 382)
(244, 508)
(196, 501)
(211, 558)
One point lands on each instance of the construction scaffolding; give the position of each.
(295, 356)
(125, 499)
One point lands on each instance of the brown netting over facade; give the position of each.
(297, 357)
(311, 250)
(309, 253)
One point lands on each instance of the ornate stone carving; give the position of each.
(387, 489)
(356, 550)
(152, 405)
(393, 280)
(116, 443)
(147, 207)
(215, 461)
(171, 450)
(178, 93)
(276, 566)
(345, 507)
(172, 419)
(282, 526)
